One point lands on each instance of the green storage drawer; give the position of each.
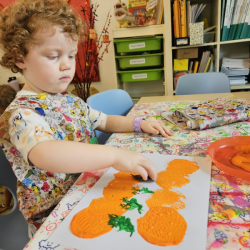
(141, 75)
(139, 60)
(138, 44)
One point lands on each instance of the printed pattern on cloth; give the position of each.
(53, 117)
(213, 113)
(228, 215)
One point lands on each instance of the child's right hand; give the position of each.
(134, 162)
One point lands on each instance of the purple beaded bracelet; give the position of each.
(137, 124)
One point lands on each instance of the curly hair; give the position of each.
(20, 21)
(7, 94)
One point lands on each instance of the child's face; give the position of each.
(50, 65)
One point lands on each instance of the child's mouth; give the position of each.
(65, 78)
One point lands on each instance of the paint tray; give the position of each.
(222, 151)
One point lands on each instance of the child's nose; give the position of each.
(65, 64)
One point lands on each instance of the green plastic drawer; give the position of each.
(141, 75)
(138, 44)
(136, 61)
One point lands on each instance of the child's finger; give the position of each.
(150, 168)
(142, 171)
(159, 128)
(168, 131)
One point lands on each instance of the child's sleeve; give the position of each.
(96, 117)
(27, 129)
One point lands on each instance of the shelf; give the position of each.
(136, 100)
(194, 46)
(236, 41)
(139, 31)
(246, 86)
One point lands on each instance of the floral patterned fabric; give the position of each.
(31, 119)
(210, 114)
(228, 213)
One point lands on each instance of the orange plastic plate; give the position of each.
(222, 151)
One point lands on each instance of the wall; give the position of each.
(106, 67)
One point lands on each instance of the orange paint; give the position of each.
(175, 174)
(243, 148)
(164, 226)
(93, 221)
(242, 160)
(163, 197)
(88, 225)
(161, 225)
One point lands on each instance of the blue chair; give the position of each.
(110, 102)
(14, 228)
(203, 83)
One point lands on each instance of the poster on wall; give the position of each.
(81, 64)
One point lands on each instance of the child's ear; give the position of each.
(20, 65)
(19, 61)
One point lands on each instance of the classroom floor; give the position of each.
(2, 201)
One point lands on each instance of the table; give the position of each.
(203, 97)
(228, 212)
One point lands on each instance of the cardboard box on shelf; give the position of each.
(187, 53)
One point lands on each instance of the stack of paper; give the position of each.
(236, 70)
(235, 63)
(196, 10)
(237, 80)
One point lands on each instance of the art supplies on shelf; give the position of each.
(196, 10)
(235, 19)
(185, 16)
(193, 60)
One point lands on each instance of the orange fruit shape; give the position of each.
(88, 226)
(175, 174)
(162, 226)
(117, 190)
(103, 206)
(166, 197)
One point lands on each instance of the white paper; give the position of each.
(195, 212)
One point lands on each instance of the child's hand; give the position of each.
(155, 128)
(133, 162)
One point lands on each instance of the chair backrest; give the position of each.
(110, 102)
(203, 83)
(14, 233)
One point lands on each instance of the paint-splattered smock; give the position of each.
(31, 119)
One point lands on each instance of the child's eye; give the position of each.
(72, 57)
(52, 57)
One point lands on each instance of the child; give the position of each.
(42, 126)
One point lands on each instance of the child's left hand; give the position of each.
(155, 128)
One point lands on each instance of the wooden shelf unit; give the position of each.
(224, 49)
